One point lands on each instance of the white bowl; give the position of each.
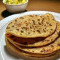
(16, 8)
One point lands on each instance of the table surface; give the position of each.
(44, 5)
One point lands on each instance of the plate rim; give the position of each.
(31, 11)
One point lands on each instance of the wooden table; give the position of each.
(44, 5)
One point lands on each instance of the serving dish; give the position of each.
(16, 8)
(5, 55)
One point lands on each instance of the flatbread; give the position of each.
(21, 53)
(47, 49)
(42, 50)
(32, 26)
(35, 42)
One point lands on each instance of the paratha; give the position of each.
(18, 52)
(32, 26)
(42, 50)
(35, 42)
(43, 31)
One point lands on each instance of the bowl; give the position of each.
(13, 8)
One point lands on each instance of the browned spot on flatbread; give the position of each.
(38, 19)
(33, 22)
(59, 33)
(38, 31)
(21, 31)
(12, 25)
(8, 27)
(31, 15)
(15, 20)
(58, 44)
(21, 18)
(17, 29)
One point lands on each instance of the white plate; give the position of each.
(4, 23)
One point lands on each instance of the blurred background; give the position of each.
(44, 5)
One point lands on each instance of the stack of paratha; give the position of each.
(33, 36)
